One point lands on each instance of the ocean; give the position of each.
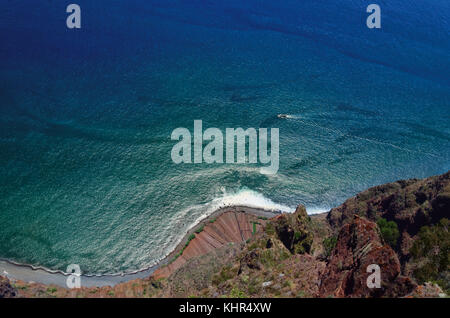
(86, 115)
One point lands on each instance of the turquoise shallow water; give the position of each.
(86, 116)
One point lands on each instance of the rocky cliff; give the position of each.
(401, 228)
(360, 245)
(6, 290)
(413, 216)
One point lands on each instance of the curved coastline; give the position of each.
(38, 274)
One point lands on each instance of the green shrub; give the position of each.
(190, 238)
(225, 274)
(270, 229)
(254, 227)
(200, 229)
(236, 293)
(389, 231)
(302, 242)
(254, 286)
(329, 244)
(432, 251)
(51, 290)
(301, 294)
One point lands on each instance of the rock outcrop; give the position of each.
(427, 290)
(6, 290)
(411, 204)
(270, 265)
(293, 230)
(402, 228)
(359, 245)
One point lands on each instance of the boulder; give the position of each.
(294, 232)
(6, 290)
(360, 245)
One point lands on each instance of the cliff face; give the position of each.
(294, 232)
(411, 204)
(420, 210)
(275, 263)
(6, 290)
(401, 227)
(359, 245)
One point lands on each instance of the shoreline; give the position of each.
(38, 274)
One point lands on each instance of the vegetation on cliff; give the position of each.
(293, 230)
(329, 244)
(418, 209)
(401, 226)
(431, 252)
(389, 231)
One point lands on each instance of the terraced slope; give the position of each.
(229, 227)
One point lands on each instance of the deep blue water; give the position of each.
(86, 115)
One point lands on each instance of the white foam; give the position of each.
(290, 116)
(243, 197)
(316, 210)
(249, 198)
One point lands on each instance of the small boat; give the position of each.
(283, 116)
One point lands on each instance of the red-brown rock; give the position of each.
(360, 245)
(6, 290)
